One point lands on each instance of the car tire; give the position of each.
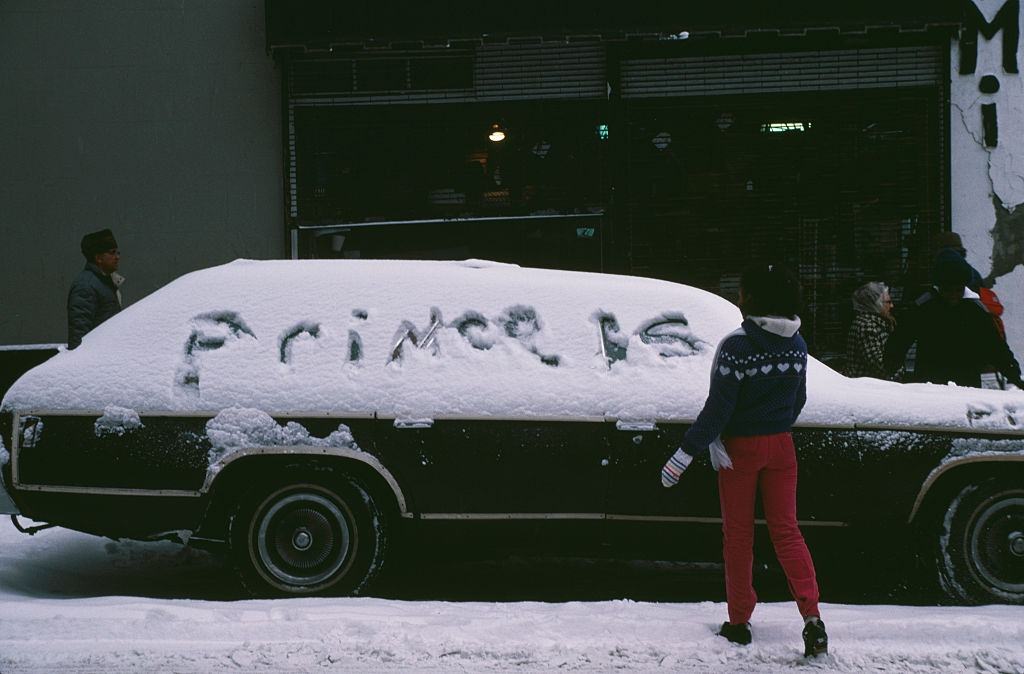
(307, 536)
(980, 551)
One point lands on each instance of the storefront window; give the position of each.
(843, 187)
(410, 162)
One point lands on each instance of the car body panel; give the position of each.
(7, 505)
(509, 469)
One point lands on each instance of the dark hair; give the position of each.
(770, 290)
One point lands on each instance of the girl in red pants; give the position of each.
(758, 387)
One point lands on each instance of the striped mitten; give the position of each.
(674, 468)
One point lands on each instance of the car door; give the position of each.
(639, 450)
(476, 422)
(499, 467)
(641, 512)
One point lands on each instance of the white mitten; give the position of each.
(674, 468)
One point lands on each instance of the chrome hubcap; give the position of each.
(996, 543)
(302, 539)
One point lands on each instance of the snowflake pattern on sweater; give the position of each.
(758, 384)
(760, 364)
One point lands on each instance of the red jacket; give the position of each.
(995, 307)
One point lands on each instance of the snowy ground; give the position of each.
(71, 602)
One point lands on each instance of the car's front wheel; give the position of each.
(980, 552)
(304, 537)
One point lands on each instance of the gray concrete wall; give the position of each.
(158, 119)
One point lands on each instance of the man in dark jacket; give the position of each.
(951, 247)
(956, 338)
(94, 296)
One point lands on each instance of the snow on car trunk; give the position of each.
(445, 339)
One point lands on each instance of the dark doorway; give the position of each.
(845, 187)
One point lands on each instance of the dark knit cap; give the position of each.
(949, 240)
(951, 270)
(95, 243)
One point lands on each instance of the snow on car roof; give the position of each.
(423, 339)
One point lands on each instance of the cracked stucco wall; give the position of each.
(988, 183)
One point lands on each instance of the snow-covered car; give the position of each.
(306, 414)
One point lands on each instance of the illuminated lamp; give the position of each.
(496, 134)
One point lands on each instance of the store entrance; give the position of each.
(844, 187)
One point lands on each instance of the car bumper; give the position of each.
(7, 506)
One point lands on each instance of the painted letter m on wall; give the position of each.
(1007, 19)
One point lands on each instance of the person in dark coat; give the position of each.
(870, 330)
(956, 338)
(951, 247)
(95, 293)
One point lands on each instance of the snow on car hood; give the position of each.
(405, 339)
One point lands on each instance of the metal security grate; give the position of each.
(492, 72)
(358, 164)
(541, 71)
(489, 74)
(397, 74)
(849, 192)
(834, 162)
(833, 70)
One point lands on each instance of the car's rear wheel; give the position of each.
(980, 553)
(307, 536)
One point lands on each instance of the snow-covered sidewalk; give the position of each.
(92, 628)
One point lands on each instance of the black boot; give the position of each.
(815, 638)
(737, 634)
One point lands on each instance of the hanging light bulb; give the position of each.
(496, 134)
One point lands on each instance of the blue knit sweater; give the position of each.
(758, 383)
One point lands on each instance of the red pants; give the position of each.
(768, 461)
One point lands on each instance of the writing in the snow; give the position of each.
(668, 333)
